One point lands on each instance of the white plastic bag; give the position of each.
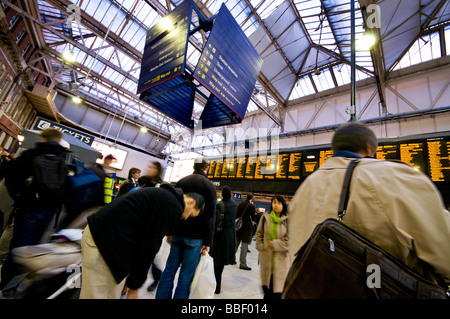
(204, 282)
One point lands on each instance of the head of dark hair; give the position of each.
(145, 181)
(157, 177)
(51, 135)
(282, 201)
(200, 164)
(132, 171)
(226, 193)
(353, 137)
(249, 196)
(199, 201)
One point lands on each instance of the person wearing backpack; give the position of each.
(36, 180)
(222, 250)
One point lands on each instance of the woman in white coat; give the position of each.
(272, 244)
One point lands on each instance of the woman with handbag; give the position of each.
(272, 244)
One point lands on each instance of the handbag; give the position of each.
(203, 283)
(337, 262)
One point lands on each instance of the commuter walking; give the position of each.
(154, 173)
(192, 237)
(244, 235)
(36, 181)
(122, 238)
(223, 251)
(272, 243)
(391, 204)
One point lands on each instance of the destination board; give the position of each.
(212, 168)
(282, 166)
(439, 159)
(387, 152)
(241, 166)
(232, 167)
(224, 173)
(324, 155)
(218, 171)
(260, 167)
(229, 64)
(250, 168)
(294, 165)
(412, 154)
(165, 47)
(310, 162)
(271, 166)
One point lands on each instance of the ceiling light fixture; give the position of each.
(69, 56)
(366, 42)
(76, 100)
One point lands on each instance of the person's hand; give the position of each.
(204, 250)
(169, 239)
(132, 294)
(271, 244)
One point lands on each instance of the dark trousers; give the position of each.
(268, 291)
(218, 270)
(30, 224)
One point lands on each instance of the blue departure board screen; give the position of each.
(165, 48)
(229, 64)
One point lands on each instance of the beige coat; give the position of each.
(280, 248)
(393, 205)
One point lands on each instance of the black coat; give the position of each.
(248, 211)
(129, 231)
(202, 226)
(126, 186)
(223, 249)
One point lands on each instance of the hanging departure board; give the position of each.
(387, 152)
(439, 159)
(310, 162)
(324, 155)
(250, 169)
(412, 154)
(218, 171)
(241, 166)
(165, 47)
(282, 166)
(294, 165)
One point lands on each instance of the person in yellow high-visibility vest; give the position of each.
(109, 188)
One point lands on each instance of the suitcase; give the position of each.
(83, 184)
(338, 263)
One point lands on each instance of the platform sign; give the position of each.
(229, 64)
(165, 47)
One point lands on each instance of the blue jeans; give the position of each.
(184, 252)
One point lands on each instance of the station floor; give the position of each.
(236, 283)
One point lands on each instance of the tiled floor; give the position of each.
(236, 283)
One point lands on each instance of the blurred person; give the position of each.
(132, 181)
(154, 172)
(191, 237)
(244, 235)
(104, 172)
(272, 243)
(122, 238)
(391, 204)
(223, 251)
(33, 213)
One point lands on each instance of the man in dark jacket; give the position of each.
(191, 237)
(33, 214)
(246, 209)
(122, 238)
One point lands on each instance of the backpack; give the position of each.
(220, 214)
(49, 178)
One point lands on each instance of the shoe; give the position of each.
(245, 267)
(9, 293)
(152, 286)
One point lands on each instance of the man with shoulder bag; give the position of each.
(392, 225)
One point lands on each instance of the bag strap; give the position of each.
(346, 189)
